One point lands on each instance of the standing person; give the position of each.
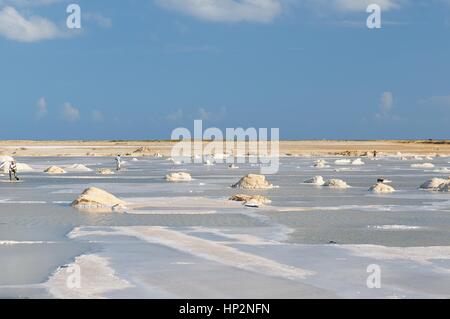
(375, 153)
(118, 163)
(13, 171)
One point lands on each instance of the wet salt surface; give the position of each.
(294, 232)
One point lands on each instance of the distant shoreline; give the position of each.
(23, 148)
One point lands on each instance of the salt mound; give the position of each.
(232, 166)
(434, 183)
(424, 165)
(22, 167)
(316, 180)
(358, 161)
(95, 198)
(208, 163)
(336, 183)
(105, 171)
(442, 170)
(320, 165)
(381, 188)
(253, 181)
(253, 200)
(134, 159)
(6, 158)
(321, 161)
(178, 177)
(55, 170)
(4, 167)
(78, 168)
(342, 162)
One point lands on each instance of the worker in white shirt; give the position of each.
(118, 163)
(13, 171)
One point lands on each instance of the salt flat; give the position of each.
(187, 240)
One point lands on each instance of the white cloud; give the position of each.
(361, 5)
(41, 108)
(386, 105)
(70, 113)
(227, 10)
(28, 3)
(14, 26)
(354, 5)
(98, 19)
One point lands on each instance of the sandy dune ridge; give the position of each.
(151, 148)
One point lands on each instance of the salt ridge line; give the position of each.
(14, 242)
(201, 248)
(421, 255)
(97, 280)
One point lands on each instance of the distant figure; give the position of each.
(374, 153)
(118, 163)
(13, 171)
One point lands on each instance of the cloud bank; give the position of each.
(261, 11)
(16, 27)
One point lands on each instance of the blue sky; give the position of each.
(137, 69)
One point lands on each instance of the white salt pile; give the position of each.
(251, 200)
(381, 188)
(105, 171)
(424, 165)
(434, 183)
(358, 161)
(78, 168)
(442, 170)
(178, 177)
(4, 167)
(134, 159)
(253, 181)
(96, 198)
(55, 170)
(336, 183)
(232, 166)
(342, 161)
(6, 158)
(316, 180)
(208, 162)
(22, 167)
(320, 163)
(5, 162)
